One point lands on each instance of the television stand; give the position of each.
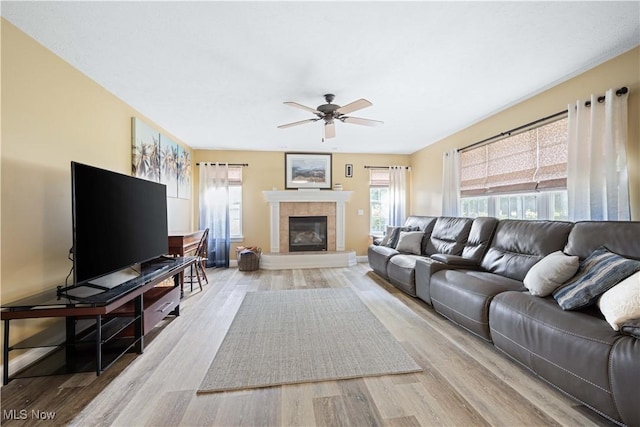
(119, 318)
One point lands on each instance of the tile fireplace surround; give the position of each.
(284, 204)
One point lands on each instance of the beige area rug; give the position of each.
(306, 335)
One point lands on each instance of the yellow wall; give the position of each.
(53, 114)
(266, 172)
(623, 70)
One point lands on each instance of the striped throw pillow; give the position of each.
(598, 273)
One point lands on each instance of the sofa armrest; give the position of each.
(624, 374)
(456, 261)
(631, 327)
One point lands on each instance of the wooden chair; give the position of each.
(200, 265)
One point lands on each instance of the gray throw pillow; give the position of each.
(387, 235)
(550, 273)
(410, 242)
(395, 235)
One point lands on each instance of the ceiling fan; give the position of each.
(331, 112)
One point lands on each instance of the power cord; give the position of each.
(70, 258)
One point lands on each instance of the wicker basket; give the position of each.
(248, 258)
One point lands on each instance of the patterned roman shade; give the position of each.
(235, 175)
(532, 160)
(379, 177)
(552, 166)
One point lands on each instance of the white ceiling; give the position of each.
(215, 74)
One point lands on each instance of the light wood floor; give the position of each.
(465, 380)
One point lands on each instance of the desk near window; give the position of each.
(181, 243)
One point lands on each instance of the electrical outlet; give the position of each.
(360, 211)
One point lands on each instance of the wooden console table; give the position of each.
(122, 316)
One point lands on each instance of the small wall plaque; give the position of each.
(348, 170)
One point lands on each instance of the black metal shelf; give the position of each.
(110, 328)
(83, 360)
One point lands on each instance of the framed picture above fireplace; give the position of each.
(307, 170)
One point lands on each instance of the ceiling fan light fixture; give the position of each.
(329, 112)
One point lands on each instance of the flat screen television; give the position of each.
(118, 221)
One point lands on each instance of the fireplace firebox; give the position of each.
(307, 233)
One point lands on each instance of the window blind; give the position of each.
(553, 156)
(379, 177)
(532, 160)
(234, 174)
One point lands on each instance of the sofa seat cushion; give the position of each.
(463, 296)
(401, 272)
(571, 350)
(378, 257)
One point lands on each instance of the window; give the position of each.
(558, 205)
(235, 202)
(523, 176)
(378, 201)
(474, 207)
(520, 206)
(542, 205)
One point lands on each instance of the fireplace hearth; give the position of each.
(307, 233)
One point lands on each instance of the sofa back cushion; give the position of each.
(449, 236)
(424, 223)
(518, 244)
(620, 237)
(480, 236)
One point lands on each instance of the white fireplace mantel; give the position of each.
(276, 197)
(307, 196)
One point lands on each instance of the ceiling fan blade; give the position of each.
(354, 106)
(329, 130)
(301, 122)
(303, 107)
(363, 122)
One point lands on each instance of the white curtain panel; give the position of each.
(451, 183)
(397, 195)
(597, 181)
(214, 211)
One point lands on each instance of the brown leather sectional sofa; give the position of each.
(472, 271)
